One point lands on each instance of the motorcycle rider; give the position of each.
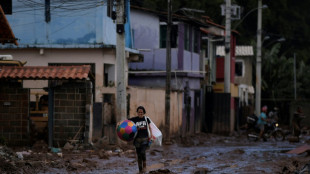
(262, 121)
(273, 115)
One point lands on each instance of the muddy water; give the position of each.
(205, 155)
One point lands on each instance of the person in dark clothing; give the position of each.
(297, 117)
(142, 138)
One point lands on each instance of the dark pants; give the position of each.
(141, 145)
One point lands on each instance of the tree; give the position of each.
(278, 75)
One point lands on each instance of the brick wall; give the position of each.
(14, 113)
(70, 111)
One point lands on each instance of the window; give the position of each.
(196, 41)
(186, 37)
(173, 36)
(239, 68)
(204, 46)
(163, 36)
(109, 75)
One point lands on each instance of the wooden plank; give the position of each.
(39, 93)
(299, 150)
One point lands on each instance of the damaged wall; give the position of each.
(14, 113)
(70, 112)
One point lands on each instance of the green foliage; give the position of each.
(278, 75)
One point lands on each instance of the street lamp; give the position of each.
(263, 7)
(282, 39)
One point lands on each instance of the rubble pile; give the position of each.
(72, 157)
(297, 166)
(8, 160)
(25, 161)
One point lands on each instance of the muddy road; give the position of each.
(217, 154)
(202, 153)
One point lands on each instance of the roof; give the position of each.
(45, 72)
(240, 51)
(6, 33)
(211, 23)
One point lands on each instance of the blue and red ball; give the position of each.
(127, 130)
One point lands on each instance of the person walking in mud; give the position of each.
(141, 140)
(262, 121)
(297, 117)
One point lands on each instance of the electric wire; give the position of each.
(29, 5)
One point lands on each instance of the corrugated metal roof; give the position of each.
(45, 72)
(6, 33)
(240, 51)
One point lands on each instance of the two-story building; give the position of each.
(243, 80)
(70, 54)
(65, 34)
(192, 46)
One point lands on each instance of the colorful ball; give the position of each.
(127, 130)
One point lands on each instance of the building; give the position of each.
(193, 44)
(77, 35)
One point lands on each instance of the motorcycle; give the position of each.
(271, 129)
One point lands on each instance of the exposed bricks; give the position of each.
(13, 113)
(70, 103)
(70, 113)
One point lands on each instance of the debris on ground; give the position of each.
(300, 150)
(161, 171)
(199, 153)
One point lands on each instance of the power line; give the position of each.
(30, 5)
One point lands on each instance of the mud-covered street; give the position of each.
(202, 153)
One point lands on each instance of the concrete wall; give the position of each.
(97, 56)
(73, 23)
(153, 101)
(145, 28)
(247, 74)
(14, 123)
(191, 61)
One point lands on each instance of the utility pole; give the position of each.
(120, 62)
(258, 59)
(295, 93)
(168, 74)
(227, 47)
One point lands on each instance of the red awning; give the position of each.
(6, 33)
(45, 72)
